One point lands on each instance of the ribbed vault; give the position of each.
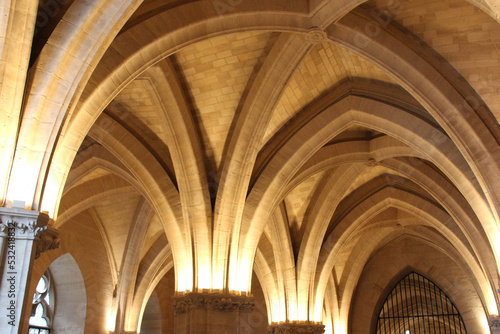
(197, 145)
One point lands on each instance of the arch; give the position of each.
(185, 148)
(401, 160)
(122, 63)
(374, 285)
(93, 158)
(70, 296)
(265, 269)
(367, 242)
(160, 191)
(368, 88)
(388, 119)
(151, 319)
(18, 19)
(434, 87)
(433, 184)
(57, 78)
(418, 305)
(377, 149)
(91, 193)
(286, 269)
(152, 268)
(95, 269)
(421, 208)
(244, 144)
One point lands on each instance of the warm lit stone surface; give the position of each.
(302, 328)
(212, 313)
(304, 152)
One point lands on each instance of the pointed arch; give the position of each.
(151, 319)
(417, 206)
(467, 123)
(70, 295)
(407, 128)
(417, 305)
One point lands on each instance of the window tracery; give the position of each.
(417, 305)
(41, 311)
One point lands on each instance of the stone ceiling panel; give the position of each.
(467, 37)
(92, 175)
(216, 72)
(326, 66)
(297, 202)
(141, 99)
(116, 217)
(154, 231)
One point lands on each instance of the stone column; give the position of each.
(302, 327)
(212, 313)
(495, 325)
(24, 235)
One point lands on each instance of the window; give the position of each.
(41, 315)
(416, 305)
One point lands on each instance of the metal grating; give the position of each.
(418, 306)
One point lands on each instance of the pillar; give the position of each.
(24, 234)
(303, 327)
(212, 313)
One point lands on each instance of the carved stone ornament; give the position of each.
(28, 224)
(21, 227)
(372, 162)
(3, 227)
(212, 301)
(494, 323)
(48, 238)
(316, 35)
(306, 327)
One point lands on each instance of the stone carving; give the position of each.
(296, 328)
(494, 323)
(316, 35)
(247, 306)
(224, 305)
(30, 225)
(26, 226)
(216, 302)
(181, 306)
(372, 162)
(48, 238)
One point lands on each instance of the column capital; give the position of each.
(212, 301)
(24, 234)
(29, 225)
(25, 222)
(299, 327)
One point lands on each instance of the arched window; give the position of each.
(416, 305)
(41, 315)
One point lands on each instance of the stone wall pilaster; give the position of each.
(24, 234)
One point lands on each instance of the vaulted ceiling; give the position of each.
(316, 133)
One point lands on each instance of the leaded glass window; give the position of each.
(41, 315)
(416, 305)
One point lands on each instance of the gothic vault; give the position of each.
(241, 166)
